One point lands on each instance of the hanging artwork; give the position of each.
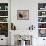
(22, 14)
(42, 32)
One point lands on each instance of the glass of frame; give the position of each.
(42, 32)
(22, 14)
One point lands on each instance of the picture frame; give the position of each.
(22, 14)
(42, 33)
(4, 29)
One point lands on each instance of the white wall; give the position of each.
(21, 5)
(32, 6)
(24, 4)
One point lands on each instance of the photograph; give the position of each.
(3, 13)
(4, 29)
(3, 6)
(41, 25)
(41, 19)
(3, 19)
(42, 32)
(41, 13)
(22, 14)
(41, 6)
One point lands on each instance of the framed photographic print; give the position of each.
(22, 14)
(4, 29)
(42, 32)
(3, 19)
